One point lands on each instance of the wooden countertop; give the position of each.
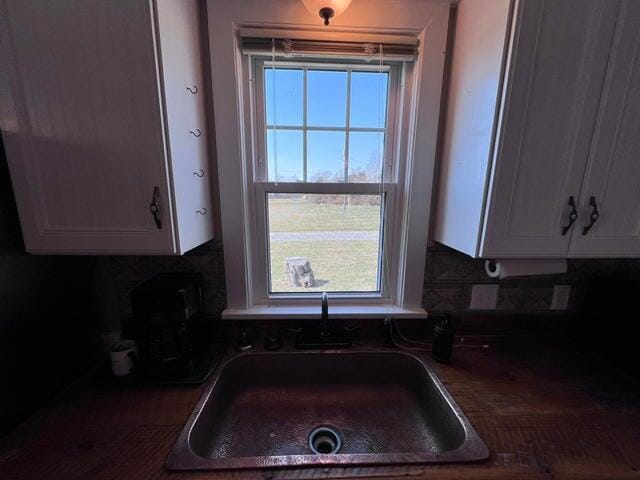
(545, 412)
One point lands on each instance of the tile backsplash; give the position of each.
(449, 277)
(127, 272)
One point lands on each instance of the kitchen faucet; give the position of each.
(325, 337)
(324, 315)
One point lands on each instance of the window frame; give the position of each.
(388, 272)
(261, 292)
(229, 108)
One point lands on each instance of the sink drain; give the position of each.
(325, 440)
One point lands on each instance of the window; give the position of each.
(323, 170)
(324, 125)
(243, 43)
(338, 235)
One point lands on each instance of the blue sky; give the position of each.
(326, 107)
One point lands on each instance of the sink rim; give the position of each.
(182, 457)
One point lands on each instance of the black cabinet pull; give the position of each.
(573, 215)
(154, 207)
(595, 215)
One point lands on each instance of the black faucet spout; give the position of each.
(324, 315)
(327, 336)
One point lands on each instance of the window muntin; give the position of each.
(325, 156)
(326, 98)
(340, 112)
(289, 145)
(368, 99)
(286, 88)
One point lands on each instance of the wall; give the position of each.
(524, 303)
(449, 276)
(44, 313)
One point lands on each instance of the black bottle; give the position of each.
(442, 340)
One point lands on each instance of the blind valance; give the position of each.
(291, 47)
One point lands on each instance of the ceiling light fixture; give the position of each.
(326, 8)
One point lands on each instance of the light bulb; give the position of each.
(326, 9)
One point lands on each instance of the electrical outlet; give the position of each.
(560, 299)
(484, 297)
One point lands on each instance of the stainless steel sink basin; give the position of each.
(385, 406)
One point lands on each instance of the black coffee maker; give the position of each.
(169, 325)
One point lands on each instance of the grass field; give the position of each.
(338, 264)
(300, 215)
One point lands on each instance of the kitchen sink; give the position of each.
(341, 407)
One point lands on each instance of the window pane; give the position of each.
(283, 100)
(321, 242)
(364, 156)
(326, 98)
(288, 165)
(368, 99)
(325, 156)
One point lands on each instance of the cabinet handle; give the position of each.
(154, 207)
(573, 215)
(595, 215)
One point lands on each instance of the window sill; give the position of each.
(302, 312)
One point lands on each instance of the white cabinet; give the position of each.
(613, 171)
(102, 111)
(533, 134)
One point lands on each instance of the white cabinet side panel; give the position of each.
(476, 71)
(184, 96)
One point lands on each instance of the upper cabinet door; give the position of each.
(613, 174)
(556, 65)
(82, 125)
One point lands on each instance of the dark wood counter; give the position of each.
(545, 412)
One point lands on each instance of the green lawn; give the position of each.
(338, 265)
(298, 215)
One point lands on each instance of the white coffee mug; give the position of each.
(123, 357)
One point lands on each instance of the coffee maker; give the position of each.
(169, 325)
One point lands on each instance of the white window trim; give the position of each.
(259, 163)
(418, 112)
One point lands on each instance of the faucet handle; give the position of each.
(244, 344)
